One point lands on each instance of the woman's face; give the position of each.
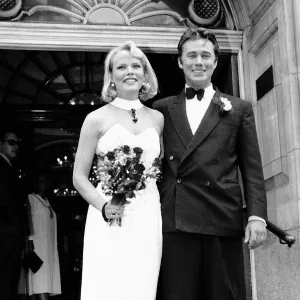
(128, 75)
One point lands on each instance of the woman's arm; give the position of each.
(162, 153)
(31, 207)
(160, 121)
(89, 136)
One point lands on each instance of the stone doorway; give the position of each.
(48, 94)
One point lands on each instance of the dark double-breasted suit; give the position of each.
(200, 191)
(12, 229)
(201, 198)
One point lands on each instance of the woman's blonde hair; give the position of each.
(149, 89)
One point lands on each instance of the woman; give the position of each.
(121, 263)
(46, 281)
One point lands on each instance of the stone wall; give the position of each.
(271, 41)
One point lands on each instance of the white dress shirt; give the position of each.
(195, 111)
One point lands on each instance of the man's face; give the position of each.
(198, 62)
(10, 145)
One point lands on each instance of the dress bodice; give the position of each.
(118, 135)
(148, 140)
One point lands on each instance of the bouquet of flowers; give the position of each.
(121, 172)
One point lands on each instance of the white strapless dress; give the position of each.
(122, 263)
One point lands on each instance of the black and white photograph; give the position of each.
(149, 149)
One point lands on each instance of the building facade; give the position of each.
(260, 58)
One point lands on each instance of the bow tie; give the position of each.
(190, 93)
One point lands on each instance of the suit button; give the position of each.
(178, 180)
(207, 183)
(215, 161)
(171, 157)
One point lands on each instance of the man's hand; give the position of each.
(256, 233)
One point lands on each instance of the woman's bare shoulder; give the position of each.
(157, 115)
(101, 119)
(98, 115)
(101, 111)
(157, 119)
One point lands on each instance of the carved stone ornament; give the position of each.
(9, 8)
(205, 13)
(113, 12)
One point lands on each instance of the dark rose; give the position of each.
(118, 199)
(126, 149)
(110, 155)
(130, 185)
(140, 168)
(135, 160)
(156, 162)
(138, 151)
(130, 195)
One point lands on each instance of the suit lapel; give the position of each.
(177, 111)
(210, 120)
(5, 160)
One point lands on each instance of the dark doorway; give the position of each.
(47, 78)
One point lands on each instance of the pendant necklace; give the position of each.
(37, 196)
(131, 105)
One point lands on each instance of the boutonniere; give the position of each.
(223, 103)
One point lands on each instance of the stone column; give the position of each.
(291, 86)
(277, 267)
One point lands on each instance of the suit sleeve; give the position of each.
(159, 104)
(154, 105)
(251, 166)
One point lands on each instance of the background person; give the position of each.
(207, 136)
(43, 241)
(12, 223)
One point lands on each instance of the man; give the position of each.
(207, 136)
(11, 216)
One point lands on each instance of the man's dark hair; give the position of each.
(196, 34)
(5, 131)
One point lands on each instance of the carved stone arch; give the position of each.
(240, 13)
(227, 14)
(152, 24)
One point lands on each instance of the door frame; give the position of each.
(82, 37)
(79, 37)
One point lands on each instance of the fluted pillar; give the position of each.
(291, 83)
(277, 267)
